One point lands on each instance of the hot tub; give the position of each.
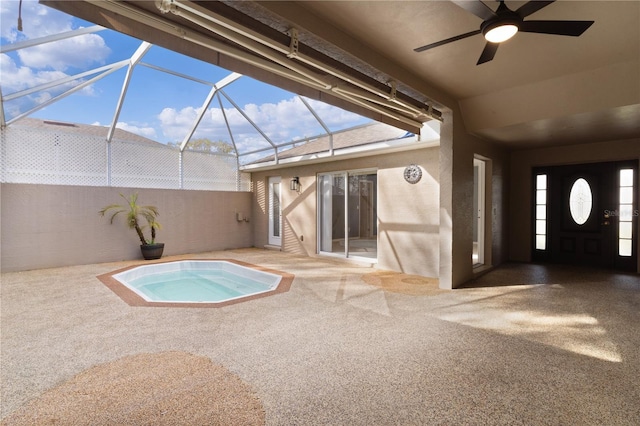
(196, 282)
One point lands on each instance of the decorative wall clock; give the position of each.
(412, 173)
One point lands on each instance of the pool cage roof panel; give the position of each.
(62, 68)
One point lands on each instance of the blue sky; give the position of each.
(158, 105)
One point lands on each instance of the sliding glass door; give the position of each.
(347, 222)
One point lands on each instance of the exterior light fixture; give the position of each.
(294, 185)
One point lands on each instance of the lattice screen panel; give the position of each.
(55, 158)
(207, 171)
(41, 156)
(245, 182)
(144, 166)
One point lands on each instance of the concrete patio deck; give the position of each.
(524, 344)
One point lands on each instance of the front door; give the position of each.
(275, 212)
(585, 214)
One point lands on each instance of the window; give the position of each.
(541, 212)
(625, 212)
(580, 201)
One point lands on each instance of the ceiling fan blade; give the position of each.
(449, 40)
(478, 8)
(532, 7)
(488, 53)
(566, 28)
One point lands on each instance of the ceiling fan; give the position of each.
(504, 23)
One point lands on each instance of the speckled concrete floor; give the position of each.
(522, 345)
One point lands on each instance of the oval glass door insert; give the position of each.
(580, 201)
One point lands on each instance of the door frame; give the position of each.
(275, 233)
(324, 218)
(480, 202)
(609, 193)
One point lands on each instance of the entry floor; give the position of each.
(525, 344)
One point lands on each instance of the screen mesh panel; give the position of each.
(209, 171)
(42, 156)
(144, 166)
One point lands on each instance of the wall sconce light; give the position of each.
(294, 185)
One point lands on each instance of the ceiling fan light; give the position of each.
(500, 33)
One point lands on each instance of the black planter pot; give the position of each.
(152, 251)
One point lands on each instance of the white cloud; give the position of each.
(77, 52)
(334, 116)
(16, 78)
(33, 20)
(33, 66)
(39, 21)
(43, 97)
(284, 121)
(143, 130)
(175, 124)
(147, 132)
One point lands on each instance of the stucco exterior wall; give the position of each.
(496, 200)
(45, 226)
(522, 163)
(408, 215)
(457, 152)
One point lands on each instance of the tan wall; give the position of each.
(457, 151)
(48, 226)
(408, 216)
(412, 223)
(497, 206)
(522, 163)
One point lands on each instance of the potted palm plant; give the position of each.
(134, 212)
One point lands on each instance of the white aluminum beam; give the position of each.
(317, 117)
(255, 126)
(48, 39)
(3, 123)
(175, 73)
(219, 85)
(63, 95)
(135, 58)
(226, 122)
(115, 66)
